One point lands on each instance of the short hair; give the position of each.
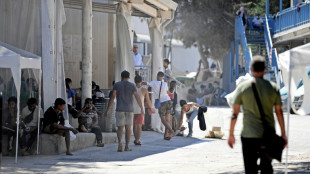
(216, 82)
(167, 61)
(32, 101)
(202, 86)
(138, 79)
(160, 74)
(258, 63)
(12, 99)
(87, 100)
(97, 87)
(135, 45)
(68, 80)
(183, 102)
(59, 102)
(125, 74)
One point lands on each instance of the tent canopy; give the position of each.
(295, 65)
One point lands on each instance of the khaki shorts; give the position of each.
(124, 118)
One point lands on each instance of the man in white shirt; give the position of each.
(137, 58)
(160, 89)
(29, 125)
(257, 22)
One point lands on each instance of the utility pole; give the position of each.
(86, 49)
(267, 8)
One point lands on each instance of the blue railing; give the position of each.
(241, 36)
(291, 18)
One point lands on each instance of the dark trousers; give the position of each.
(9, 134)
(147, 120)
(251, 153)
(33, 135)
(97, 131)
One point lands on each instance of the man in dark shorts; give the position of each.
(52, 116)
(124, 92)
(160, 89)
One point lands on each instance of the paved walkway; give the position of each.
(180, 155)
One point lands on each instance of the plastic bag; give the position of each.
(72, 135)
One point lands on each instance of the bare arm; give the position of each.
(139, 101)
(147, 97)
(279, 114)
(110, 102)
(73, 100)
(231, 139)
(181, 120)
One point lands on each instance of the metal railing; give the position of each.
(145, 72)
(240, 35)
(291, 18)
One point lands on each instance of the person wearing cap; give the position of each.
(137, 58)
(161, 92)
(124, 92)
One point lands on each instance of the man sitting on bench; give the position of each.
(52, 116)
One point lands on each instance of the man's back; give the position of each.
(269, 96)
(125, 90)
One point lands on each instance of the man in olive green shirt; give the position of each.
(252, 132)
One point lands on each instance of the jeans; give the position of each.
(33, 135)
(193, 115)
(251, 153)
(97, 131)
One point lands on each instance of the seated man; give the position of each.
(29, 125)
(9, 122)
(208, 99)
(88, 121)
(258, 23)
(52, 116)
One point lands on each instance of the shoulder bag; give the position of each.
(157, 101)
(273, 144)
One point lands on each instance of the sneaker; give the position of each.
(100, 144)
(190, 135)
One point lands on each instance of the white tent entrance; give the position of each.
(20, 79)
(295, 65)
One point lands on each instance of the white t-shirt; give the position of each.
(26, 112)
(257, 21)
(137, 59)
(156, 88)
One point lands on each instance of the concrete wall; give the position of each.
(103, 47)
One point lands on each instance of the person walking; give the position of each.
(124, 92)
(138, 116)
(253, 127)
(161, 91)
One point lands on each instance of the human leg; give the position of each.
(250, 149)
(265, 164)
(33, 135)
(127, 137)
(97, 132)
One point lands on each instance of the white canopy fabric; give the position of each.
(16, 60)
(294, 63)
(124, 41)
(156, 34)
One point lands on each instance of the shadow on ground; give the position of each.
(152, 144)
(293, 168)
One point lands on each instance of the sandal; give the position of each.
(127, 149)
(137, 143)
(167, 138)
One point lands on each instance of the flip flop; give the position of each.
(167, 138)
(127, 149)
(137, 143)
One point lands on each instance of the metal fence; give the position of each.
(292, 17)
(145, 72)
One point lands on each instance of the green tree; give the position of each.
(209, 25)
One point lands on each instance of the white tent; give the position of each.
(294, 65)
(16, 59)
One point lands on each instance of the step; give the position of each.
(53, 144)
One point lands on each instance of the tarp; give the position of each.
(124, 41)
(295, 62)
(16, 60)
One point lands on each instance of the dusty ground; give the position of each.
(180, 155)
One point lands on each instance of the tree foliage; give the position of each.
(209, 24)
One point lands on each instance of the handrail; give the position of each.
(240, 35)
(291, 18)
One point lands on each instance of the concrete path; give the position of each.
(180, 155)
